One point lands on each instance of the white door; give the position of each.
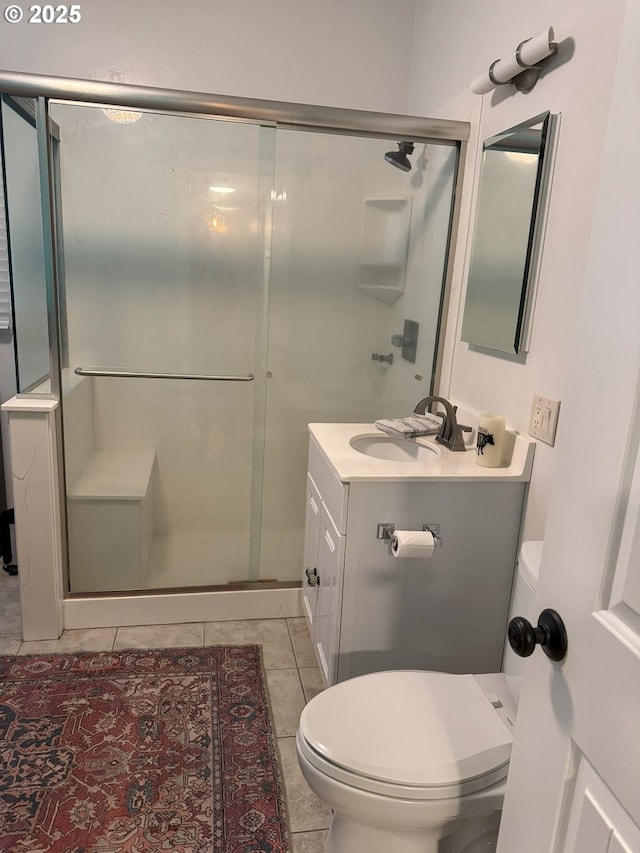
(574, 781)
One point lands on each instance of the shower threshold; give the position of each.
(178, 561)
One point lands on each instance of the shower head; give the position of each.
(399, 158)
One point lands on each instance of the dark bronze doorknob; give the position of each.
(550, 634)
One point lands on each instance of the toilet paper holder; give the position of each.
(387, 528)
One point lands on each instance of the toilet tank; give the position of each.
(522, 604)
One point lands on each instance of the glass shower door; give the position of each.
(359, 247)
(164, 223)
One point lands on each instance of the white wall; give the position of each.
(353, 54)
(577, 84)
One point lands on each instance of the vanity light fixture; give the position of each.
(222, 190)
(521, 68)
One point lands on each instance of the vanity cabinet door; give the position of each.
(326, 632)
(311, 541)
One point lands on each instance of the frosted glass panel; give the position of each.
(358, 247)
(159, 266)
(164, 266)
(27, 249)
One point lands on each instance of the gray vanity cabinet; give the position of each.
(369, 611)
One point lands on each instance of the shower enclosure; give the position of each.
(214, 274)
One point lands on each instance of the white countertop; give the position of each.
(352, 466)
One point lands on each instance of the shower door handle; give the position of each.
(132, 374)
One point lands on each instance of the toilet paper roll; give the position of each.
(490, 441)
(412, 544)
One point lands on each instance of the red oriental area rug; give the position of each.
(167, 751)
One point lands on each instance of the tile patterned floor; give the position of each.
(292, 678)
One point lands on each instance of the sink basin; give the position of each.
(393, 449)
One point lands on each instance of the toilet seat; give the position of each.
(448, 740)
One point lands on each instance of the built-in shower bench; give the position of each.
(110, 508)
(116, 474)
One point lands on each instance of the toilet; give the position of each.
(413, 761)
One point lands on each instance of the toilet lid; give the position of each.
(423, 729)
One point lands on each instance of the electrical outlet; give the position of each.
(544, 419)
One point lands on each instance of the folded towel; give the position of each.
(412, 426)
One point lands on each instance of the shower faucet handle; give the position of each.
(408, 340)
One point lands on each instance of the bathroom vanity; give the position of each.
(368, 610)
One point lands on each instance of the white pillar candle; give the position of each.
(490, 441)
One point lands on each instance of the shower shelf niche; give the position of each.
(385, 245)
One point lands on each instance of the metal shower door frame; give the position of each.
(281, 113)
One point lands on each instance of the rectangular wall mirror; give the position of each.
(513, 179)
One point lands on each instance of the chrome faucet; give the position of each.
(451, 431)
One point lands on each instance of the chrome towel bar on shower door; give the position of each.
(131, 374)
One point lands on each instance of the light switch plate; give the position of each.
(544, 419)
